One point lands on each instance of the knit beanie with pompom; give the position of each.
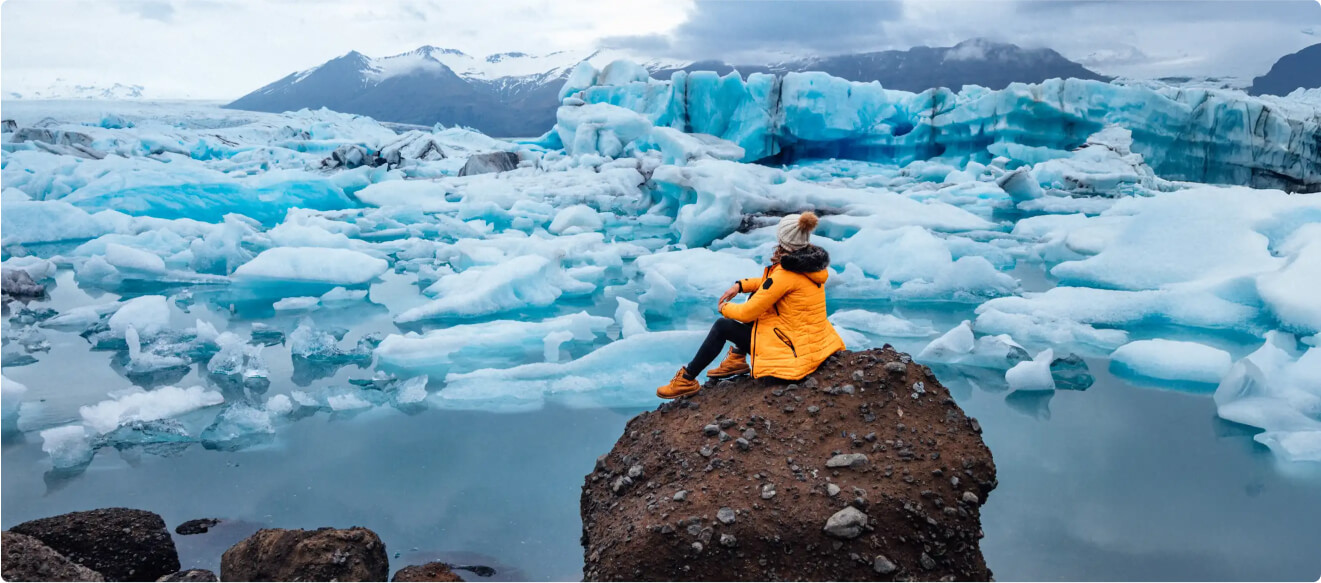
(794, 231)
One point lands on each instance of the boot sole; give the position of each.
(727, 374)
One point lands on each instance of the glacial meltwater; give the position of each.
(311, 319)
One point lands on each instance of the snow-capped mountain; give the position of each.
(514, 94)
(62, 89)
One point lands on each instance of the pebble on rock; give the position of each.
(847, 460)
(970, 498)
(681, 495)
(847, 523)
(883, 565)
(726, 515)
(832, 490)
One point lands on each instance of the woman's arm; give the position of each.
(771, 291)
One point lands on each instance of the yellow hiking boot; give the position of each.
(678, 386)
(733, 365)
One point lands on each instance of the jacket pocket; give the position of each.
(786, 340)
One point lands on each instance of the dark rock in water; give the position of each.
(23, 558)
(436, 571)
(7, 126)
(1071, 373)
(120, 543)
(351, 156)
(326, 554)
(792, 528)
(17, 283)
(191, 575)
(489, 162)
(196, 526)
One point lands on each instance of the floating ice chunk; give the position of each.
(11, 397)
(1104, 165)
(140, 405)
(1032, 375)
(1291, 293)
(237, 357)
(1114, 308)
(149, 315)
(552, 344)
(1196, 234)
(238, 426)
(1278, 390)
(689, 275)
(628, 318)
(1173, 360)
(312, 265)
(914, 264)
(140, 362)
(68, 446)
(1292, 446)
(341, 294)
(525, 281)
(279, 405)
(436, 351)
(49, 221)
(347, 402)
(576, 219)
(593, 380)
(413, 390)
(298, 304)
(598, 129)
(36, 267)
(1045, 328)
(951, 347)
(883, 325)
(134, 260)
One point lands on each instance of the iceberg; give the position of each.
(438, 351)
(1277, 389)
(1032, 375)
(311, 265)
(140, 405)
(1199, 135)
(1173, 360)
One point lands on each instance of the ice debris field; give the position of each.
(316, 262)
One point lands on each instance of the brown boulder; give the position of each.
(326, 554)
(736, 482)
(23, 558)
(121, 544)
(434, 571)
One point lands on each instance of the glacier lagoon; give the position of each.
(441, 358)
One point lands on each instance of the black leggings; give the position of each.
(724, 330)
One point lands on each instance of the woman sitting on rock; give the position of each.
(783, 324)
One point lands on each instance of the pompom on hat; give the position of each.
(794, 231)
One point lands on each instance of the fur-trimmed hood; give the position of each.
(809, 259)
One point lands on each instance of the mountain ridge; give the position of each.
(516, 94)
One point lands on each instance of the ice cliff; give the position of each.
(1198, 135)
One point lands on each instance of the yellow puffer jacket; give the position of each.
(790, 334)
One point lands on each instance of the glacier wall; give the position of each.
(1198, 135)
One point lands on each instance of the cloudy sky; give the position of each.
(225, 48)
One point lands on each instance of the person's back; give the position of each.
(782, 326)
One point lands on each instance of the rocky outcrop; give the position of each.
(867, 469)
(434, 571)
(327, 554)
(489, 162)
(23, 558)
(121, 544)
(192, 575)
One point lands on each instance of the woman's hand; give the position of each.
(729, 294)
